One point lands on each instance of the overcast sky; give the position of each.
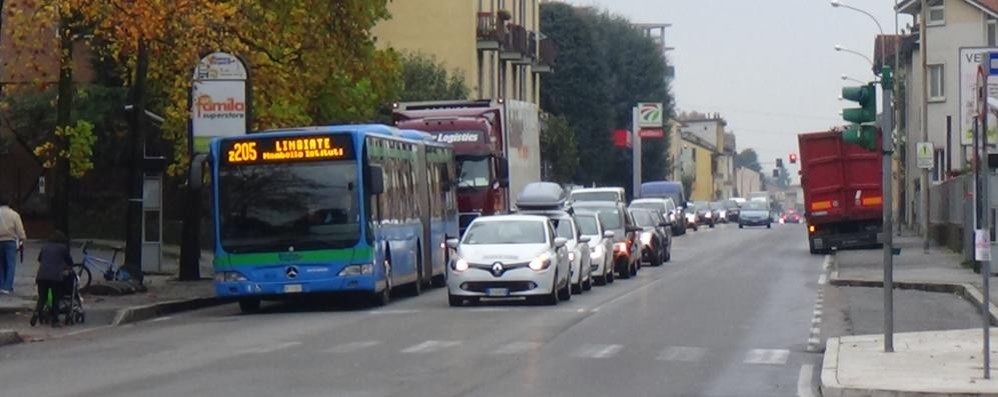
(767, 66)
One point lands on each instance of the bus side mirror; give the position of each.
(376, 180)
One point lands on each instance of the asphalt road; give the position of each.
(730, 315)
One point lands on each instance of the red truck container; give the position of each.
(843, 192)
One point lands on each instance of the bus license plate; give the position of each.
(292, 288)
(497, 292)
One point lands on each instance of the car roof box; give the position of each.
(542, 195)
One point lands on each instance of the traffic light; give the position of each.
(862, 132)
(779, 163)
(864, 135)
(793, 158)
(776, 173)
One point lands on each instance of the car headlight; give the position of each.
(571, 256)
(540, 263)
(646, 238)
(707, 215)
(357, 270)
(229, 277)
(460, 265)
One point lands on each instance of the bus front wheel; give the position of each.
(249, 305)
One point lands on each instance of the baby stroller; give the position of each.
(69, 305)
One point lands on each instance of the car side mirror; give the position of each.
(609, 234)
(452, 243)
(376, 180)
(634, 229)
(665, 224)
(560, 242)
(584, 240)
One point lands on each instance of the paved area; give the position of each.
(729, 316)
(15, 309)
(936, 362)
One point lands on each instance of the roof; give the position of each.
(914, 6)
(510, 217)
(599, 189)
(542, 195)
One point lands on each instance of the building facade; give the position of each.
(496, 45)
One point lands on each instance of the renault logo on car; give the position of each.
(291, 272)
(497, 269)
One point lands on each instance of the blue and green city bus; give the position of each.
(353, 208)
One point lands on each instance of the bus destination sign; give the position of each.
(288, 149)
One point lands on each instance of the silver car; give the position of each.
(509, 256)
(578, 252)
(600, 247)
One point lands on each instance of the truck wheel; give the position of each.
(249, 305)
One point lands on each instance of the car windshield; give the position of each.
(505, 232)
(755, 205)
(644, 218)
(648, 205)
(564, 229)
(587, 225)
(595, 196)
(609, 216)
(701, 206)
(731, 204)
(473, 173)
(281, 207)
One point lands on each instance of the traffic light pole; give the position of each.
(887, 139)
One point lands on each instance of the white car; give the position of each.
(508, 256)
(600, 247)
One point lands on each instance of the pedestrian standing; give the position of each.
(11, 238)
(54, 263)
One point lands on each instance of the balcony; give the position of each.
(491, 32)
(546, 57)
(516, 46)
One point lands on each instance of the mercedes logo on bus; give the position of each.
(291, 272)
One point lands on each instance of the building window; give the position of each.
(936, 13)
(938, 167)
(992, 32)
(936, 83)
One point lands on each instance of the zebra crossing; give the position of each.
(673, 354)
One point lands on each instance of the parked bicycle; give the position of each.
(109, 269)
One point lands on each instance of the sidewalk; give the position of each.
(933, 363)
(162, 289)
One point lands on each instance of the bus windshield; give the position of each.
(474, 172)
(277, 207)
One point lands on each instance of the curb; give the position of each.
(830, 386)
(135, 314)
(966, 291)
(9, 337)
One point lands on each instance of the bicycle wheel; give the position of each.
(83, 273)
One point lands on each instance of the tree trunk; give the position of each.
(64, 107)
(136, 133)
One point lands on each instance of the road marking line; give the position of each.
(517, 348)
(804, 388)
(598, 351)
(815, 330)
(487, 309)
(681, 353)
(271, 348)
(394, 311)
(431, 346)
(823, 279)
(816, 321)
(85, 330)
(352, 347)
(767, 356)
(814, 340)
(156, 320)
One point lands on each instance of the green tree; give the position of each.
(748, 158)
(559, 149)
(425, 79)
(605, 67)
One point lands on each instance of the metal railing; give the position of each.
(548, 52)
(489, 27)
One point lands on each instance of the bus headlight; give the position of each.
(357, 270)
(229, 277)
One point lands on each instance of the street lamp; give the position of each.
(844, 77)
(836, 4)
(843, 49)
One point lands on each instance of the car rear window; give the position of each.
(587, 225)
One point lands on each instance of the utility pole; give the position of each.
(887, 139)
(924, 192)
(636, 152)
(136, 129)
